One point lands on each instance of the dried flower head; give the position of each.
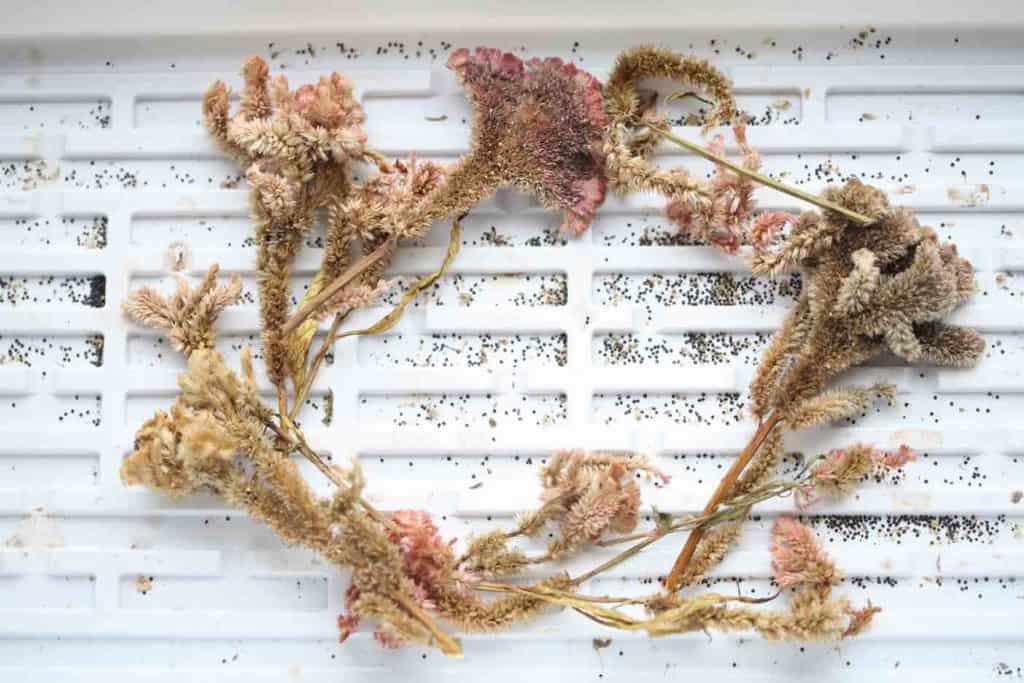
(767, 226)
(888, 285)
(592, 493)
(426, 558)
(843, 469)
(797, 557)
(722, 215)
(537, 126)
(305, 129)
(390, 203)
(710, 211)
(189, 315)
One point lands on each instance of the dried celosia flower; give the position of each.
(860, 619)
(712, 211)
(538, 126)
(490, 555)
(866, 288)
(189, 315)
(720, 217)
(387, 204)
(898, 458)
(296, 149)
(766, 226)
(426, 558)
(353, 297)
(839, 472)
(590, 494)
(797, 557)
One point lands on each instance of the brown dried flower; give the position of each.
(866, 289)
(188, 315)
(296, 148)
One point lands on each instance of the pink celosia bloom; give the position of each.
(424, 554)
(767, 226)
(899, 457)
(797, 558)
(330, 103)
(540, 126)
(840, 470)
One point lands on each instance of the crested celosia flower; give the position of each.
(797, 557)
(539, 126)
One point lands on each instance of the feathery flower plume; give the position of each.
(797, 557)
(590, 494)
(296, 149)
(190, 314)
(843, 469)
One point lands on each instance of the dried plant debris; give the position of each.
(873, 281)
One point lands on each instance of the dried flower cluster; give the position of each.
(296, 149)
(189, 314)
(843, 469)
(592, 494)
(551, 130)
(867, 288)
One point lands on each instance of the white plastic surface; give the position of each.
(618, 339)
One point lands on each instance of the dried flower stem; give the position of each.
(734, 508)
(724, 486)
(620, 558)
(820, 202)
(448, 645)
(330, 289)
(294, 437)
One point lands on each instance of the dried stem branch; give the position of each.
(724, 487)
(334, 286)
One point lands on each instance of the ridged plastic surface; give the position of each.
(620, 338)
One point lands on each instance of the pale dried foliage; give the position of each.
(190, 314)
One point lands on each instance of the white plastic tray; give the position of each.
(531, 344)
